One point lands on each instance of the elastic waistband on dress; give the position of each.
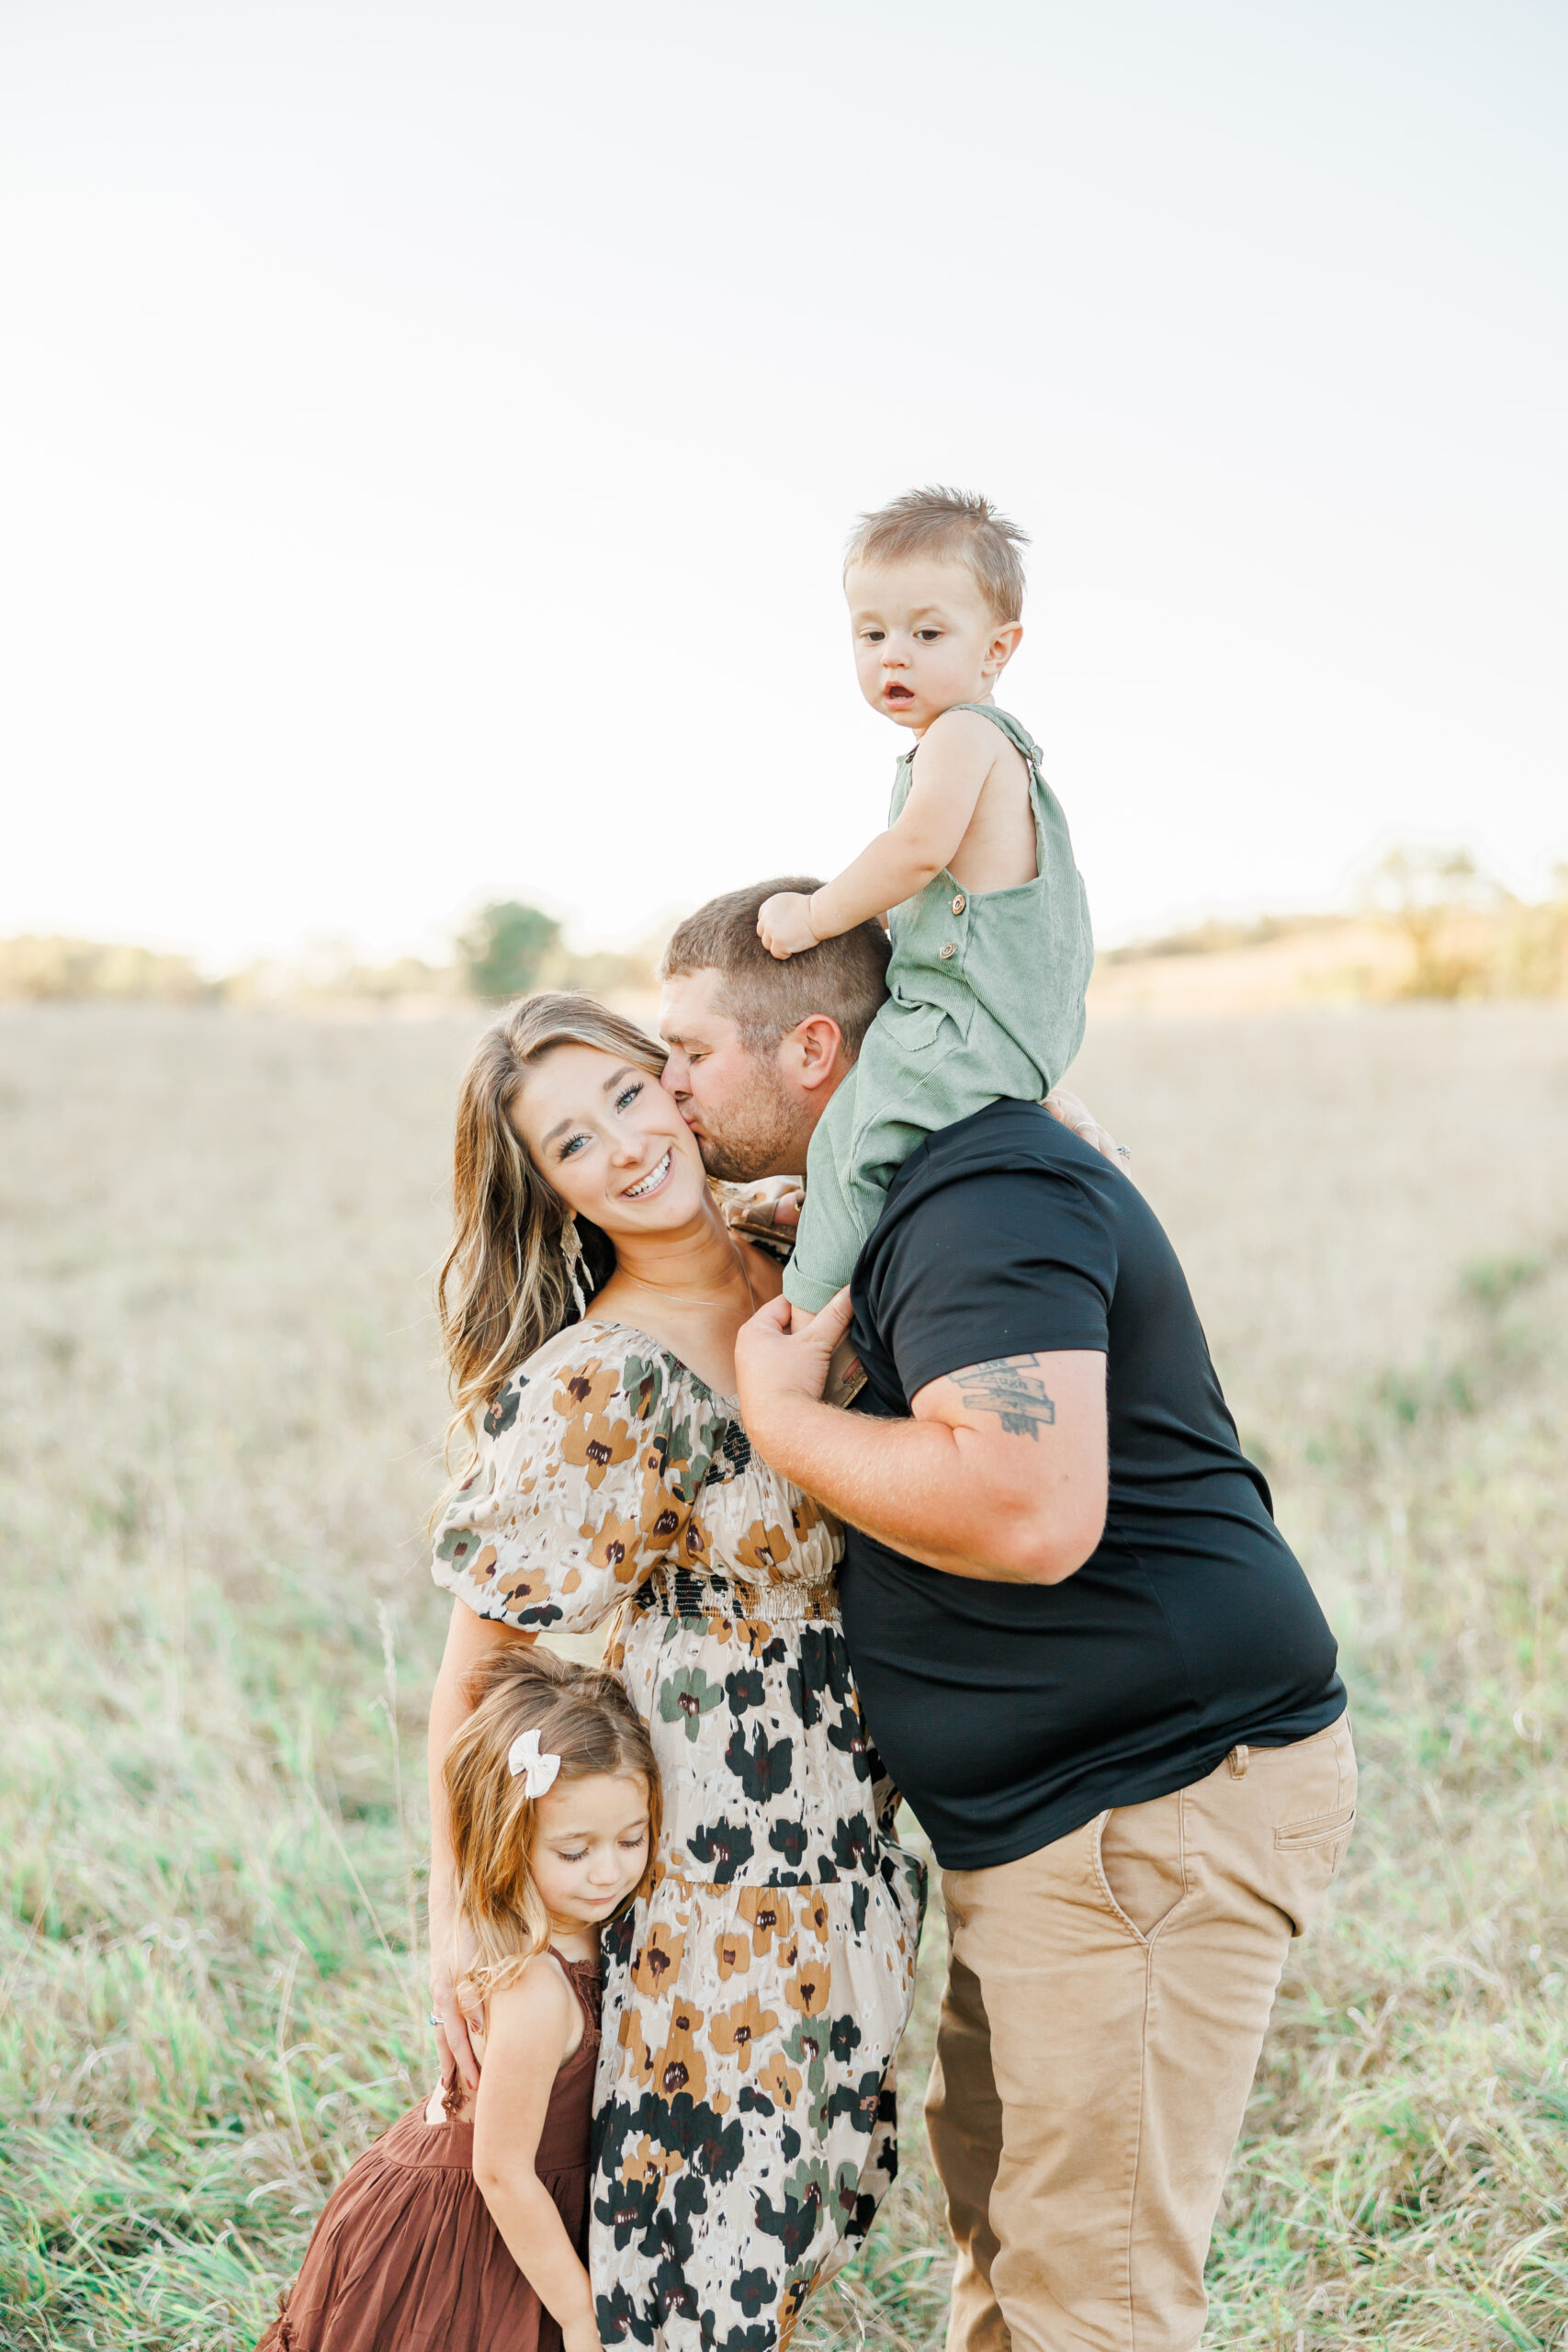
(686, 1593)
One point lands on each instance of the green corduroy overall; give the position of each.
(987, 1003)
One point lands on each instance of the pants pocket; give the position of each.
(1142, 1864)
(1324, 1826)
(1309, 1844)
(1318, 1829)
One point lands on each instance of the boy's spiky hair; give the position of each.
(940, 521)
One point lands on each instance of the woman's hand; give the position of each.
(783, 924)
(455, 2034)
(770, 1209)
(1082, 1121)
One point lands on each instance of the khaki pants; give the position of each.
(1106, 2002)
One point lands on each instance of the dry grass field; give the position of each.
(217, 1446)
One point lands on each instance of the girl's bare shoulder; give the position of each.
(537, 2008)
(534, 2021)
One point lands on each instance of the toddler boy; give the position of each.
(975, 874)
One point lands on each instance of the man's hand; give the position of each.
(783, 924)
(781, 1364)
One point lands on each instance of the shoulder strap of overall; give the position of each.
(1016, 735)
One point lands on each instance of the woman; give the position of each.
(756, 1995)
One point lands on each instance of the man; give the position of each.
(1086, 1654)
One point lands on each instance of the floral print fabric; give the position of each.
(755, 1996)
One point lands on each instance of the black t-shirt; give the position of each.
(1010, 1714)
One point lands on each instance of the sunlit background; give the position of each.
(430, 435)
(427, 439)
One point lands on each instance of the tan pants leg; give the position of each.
(966, 2126)
(1106, 2004)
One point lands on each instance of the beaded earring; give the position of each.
(571, 1254)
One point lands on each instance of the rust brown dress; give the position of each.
(406, 2258)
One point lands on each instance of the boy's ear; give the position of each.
(1003, 645)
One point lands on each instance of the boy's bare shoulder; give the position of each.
(965, 732)
(974, 750)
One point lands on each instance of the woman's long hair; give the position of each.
(504, 1288)
(583, 1716)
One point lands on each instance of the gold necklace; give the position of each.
(683, 1298)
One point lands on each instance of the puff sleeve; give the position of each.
(591, 1464)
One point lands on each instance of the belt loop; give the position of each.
(1236, 1759)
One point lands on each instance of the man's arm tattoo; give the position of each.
(1010, 1388)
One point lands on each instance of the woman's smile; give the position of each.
(650, 1183)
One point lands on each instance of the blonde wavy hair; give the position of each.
(504, 1289)
(582, 1716)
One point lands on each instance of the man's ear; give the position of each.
(813, 1052)
(1004, 644)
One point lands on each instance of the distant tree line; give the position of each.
(508, 950)
(38, 970)
(1466, 934)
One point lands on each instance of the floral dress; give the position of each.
(755, 1996)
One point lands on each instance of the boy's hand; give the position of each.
(783, 924)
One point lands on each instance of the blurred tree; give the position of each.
(504, 948)
(1442, 899)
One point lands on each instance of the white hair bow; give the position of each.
(537, 1766)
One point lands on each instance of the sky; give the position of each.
(429, 434)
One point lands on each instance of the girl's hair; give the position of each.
(504, 1289)
(582, 1716)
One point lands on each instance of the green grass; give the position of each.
(219, 1401)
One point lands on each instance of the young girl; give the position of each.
(975, 874)
(463, 2229)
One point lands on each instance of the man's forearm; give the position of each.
(921, 1488)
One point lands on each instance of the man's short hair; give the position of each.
(845, 977)
(940, 522)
